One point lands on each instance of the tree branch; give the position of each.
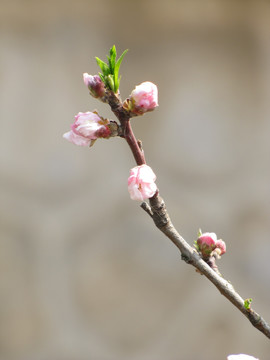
(161, 218)
(157, 211)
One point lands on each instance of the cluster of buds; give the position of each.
(210, 248)
(142, 99)
(90, 126)
(208, 245)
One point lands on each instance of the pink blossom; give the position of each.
(95, 85)
(144, 98)
(141, 183)
(86, 128)
(241, 357)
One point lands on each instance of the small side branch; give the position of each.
(147, 208)
(157, 211)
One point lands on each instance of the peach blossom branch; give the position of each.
(157, 211)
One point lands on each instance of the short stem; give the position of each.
(133, 144)
(123, 116)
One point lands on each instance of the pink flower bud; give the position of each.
(241, 357)
(141, 183)
(209, 246)
(207, 243)
(86, 128)
(95, 85)
(143, 98)
(220, 247)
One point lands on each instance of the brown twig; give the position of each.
(157, 211)
(161, 218)
(123, 116)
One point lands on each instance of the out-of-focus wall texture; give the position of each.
(84, 272)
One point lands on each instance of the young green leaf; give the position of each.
(247, 303)
(116, 71)
(110, 71)
(116, 82)
(111, 82)
(102, 77)
(103, 66)
(112, 59)
(199, 233)
(196, 245)
(118, 63)
(113, 51)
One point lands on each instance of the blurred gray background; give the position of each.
(84, 274)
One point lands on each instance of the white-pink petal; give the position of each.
(76, 139)
(86, 125)
(87, 78)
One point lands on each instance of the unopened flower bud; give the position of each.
(142, 99)
(220, 247)
(141, 183)
(206, 243)
(86, 128)
(95, 85)
(209, 246)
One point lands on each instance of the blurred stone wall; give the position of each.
(84, 273)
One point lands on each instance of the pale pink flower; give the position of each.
(86, 128)
(241, 357)
(141, 183)
(144, 98)
(95, 85)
